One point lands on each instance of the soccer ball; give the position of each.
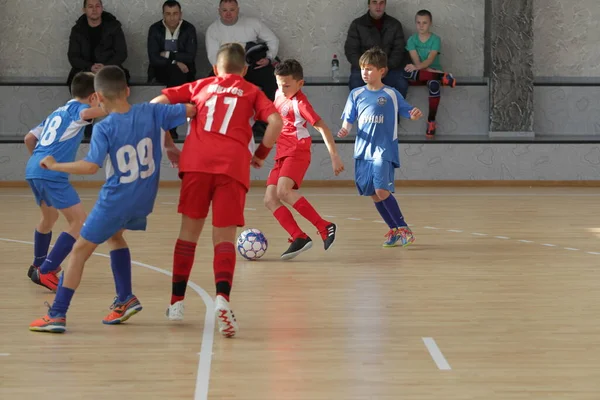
(252, 244)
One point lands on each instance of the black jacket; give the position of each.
(363, 35)
(112, 49)
(187, 48)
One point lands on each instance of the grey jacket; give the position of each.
(363, 35)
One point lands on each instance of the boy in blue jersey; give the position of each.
(58, 136)
(377, 108)
(132, 137)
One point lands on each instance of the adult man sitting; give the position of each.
(232, 28)
(376, 28)
(96, 40)
(172, 47)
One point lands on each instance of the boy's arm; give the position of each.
(275, 124)
(427, 62)
(161, 99)
(30, 142)
(406, 110)
(80, 167)
(92, 113)
(90, 164)
(414, 56)
(349, 116)
(336, 161)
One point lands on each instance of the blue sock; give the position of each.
(61, 301)
(385, 214)
(59, 252)
(120, 262)
(41, 244)
(392, 207)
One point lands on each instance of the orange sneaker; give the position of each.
(56, 324)
(431, 129)
(49, 280)
(121, 312)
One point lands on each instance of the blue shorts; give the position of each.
(100, 225)
(59, 195)
(370, 175)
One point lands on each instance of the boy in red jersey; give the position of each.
(293, 159)
(215, 168)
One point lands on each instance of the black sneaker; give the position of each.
(298, 246)
(31, 268)
(328, 235)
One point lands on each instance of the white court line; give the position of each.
(502, 237)
(329, 216)
(4, 354)
(479, 234)
(454, 230)
(432, 227)
(354, 219)
(593, 253)
(203, 373)
(526, 241)
(436, 354)
(570, 248)
(379, 222)
(548, 245)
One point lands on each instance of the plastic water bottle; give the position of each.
(335, 69)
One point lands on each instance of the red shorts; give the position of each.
(291, 167)
(228, 197)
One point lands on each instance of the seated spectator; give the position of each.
(425, 48)
(172, 49)
(96, 40)
(232, 28)
(376, 28)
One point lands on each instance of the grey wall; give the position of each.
(566, 33)
(35, 33)
(429, 161)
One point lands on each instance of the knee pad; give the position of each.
(434, 88)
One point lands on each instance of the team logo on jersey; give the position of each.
(285, 110)
(381, 101)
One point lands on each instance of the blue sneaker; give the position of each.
(406, 235)
(392, 238)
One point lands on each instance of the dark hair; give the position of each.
(375, 56)
(171, 3)
(232, 57)
(82, 85)
(85, 3)
(110, 81)
(227, 1)
(369, 1)
(291, 68)
(424, 13)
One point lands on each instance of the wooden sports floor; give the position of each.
(498, 298)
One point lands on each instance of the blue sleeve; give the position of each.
(170, 116)
(350, 111)
(98, 146)
(78, 110)
(403, 107)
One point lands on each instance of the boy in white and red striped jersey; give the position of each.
(292, 159)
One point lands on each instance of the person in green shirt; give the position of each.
(424, 48)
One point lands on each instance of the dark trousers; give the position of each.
(172, 76)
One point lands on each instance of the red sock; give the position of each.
(308, 211)
(287, 221)
(224, 267)
(434, 102)
(183, 260)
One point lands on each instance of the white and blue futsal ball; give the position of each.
(252, 244)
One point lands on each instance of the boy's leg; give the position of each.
(383, 182)
(229, 200)
(43, 236)
(55, 320)
(290, 179)
(126, 304)
(63, 197)
(194, 202)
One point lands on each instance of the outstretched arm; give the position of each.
(336, 161)
(80, 167)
